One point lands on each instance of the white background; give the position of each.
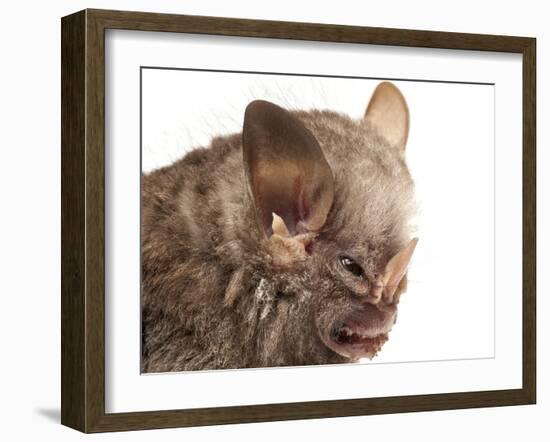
(29, 93)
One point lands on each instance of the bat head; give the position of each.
(331, 199)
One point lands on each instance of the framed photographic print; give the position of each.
(270, 220)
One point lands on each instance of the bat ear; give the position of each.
(396, 269)
(286, 170)
(388, 112)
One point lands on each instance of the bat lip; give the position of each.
(355, 346)
(360, 333)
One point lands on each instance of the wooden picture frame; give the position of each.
(83, 220)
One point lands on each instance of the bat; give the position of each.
(285, 244)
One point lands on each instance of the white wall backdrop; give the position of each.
(30, 233)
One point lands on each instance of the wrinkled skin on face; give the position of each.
(353, 300)
(305, 266)
(355, 319)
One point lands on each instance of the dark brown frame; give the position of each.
(83, 215)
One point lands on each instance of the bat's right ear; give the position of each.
(287, 172)
(389, 113)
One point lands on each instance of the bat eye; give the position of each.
(351, 266)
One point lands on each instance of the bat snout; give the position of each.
(361, 332)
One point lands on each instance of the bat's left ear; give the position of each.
(287, 171)
(289, 178)
(388, 112)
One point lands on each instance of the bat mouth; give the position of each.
(353, 344)
(359, 334)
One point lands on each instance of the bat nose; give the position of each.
(374, 295)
